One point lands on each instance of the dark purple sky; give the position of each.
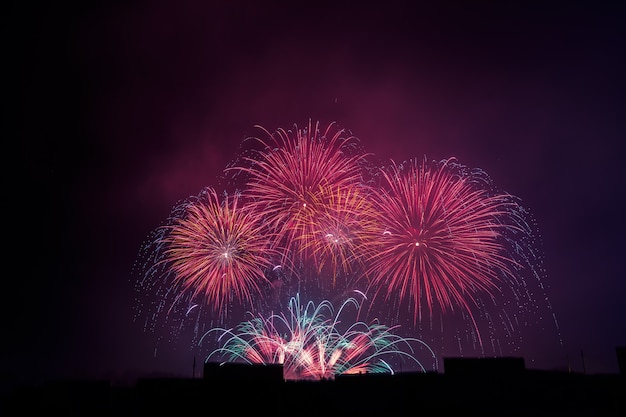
(115, 111)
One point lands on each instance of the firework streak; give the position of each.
(310, 346)
(433, 241)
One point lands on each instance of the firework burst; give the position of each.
(310, 346)
(440, 236)
(342, 229)
(219, 251)
(300, 179)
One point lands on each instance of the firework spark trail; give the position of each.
(440, 237)
(434, 239)
(295, 179)
(219, 251)
(310, 346)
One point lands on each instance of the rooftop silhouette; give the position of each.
(489, 386)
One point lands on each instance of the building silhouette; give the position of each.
(476, 386)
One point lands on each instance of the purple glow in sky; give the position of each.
(117, 112)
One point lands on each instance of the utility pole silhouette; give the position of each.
(582, 358)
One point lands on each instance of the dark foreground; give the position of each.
(524, 393)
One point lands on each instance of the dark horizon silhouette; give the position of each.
(491, 386)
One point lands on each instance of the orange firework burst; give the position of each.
(219, 250)
(341, 232)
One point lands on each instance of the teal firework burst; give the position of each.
(310, 343)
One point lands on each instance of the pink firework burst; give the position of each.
(219, 251)
(299, 180)
(440, 236)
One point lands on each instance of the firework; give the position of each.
(341, 233)
(300, 179)
(434, 240)
(219, 251)
(310, 346)
(440, 236)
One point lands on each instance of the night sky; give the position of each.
(113, 112)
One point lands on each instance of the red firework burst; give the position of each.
(219, 250)
(301, 178)
(440, 235)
